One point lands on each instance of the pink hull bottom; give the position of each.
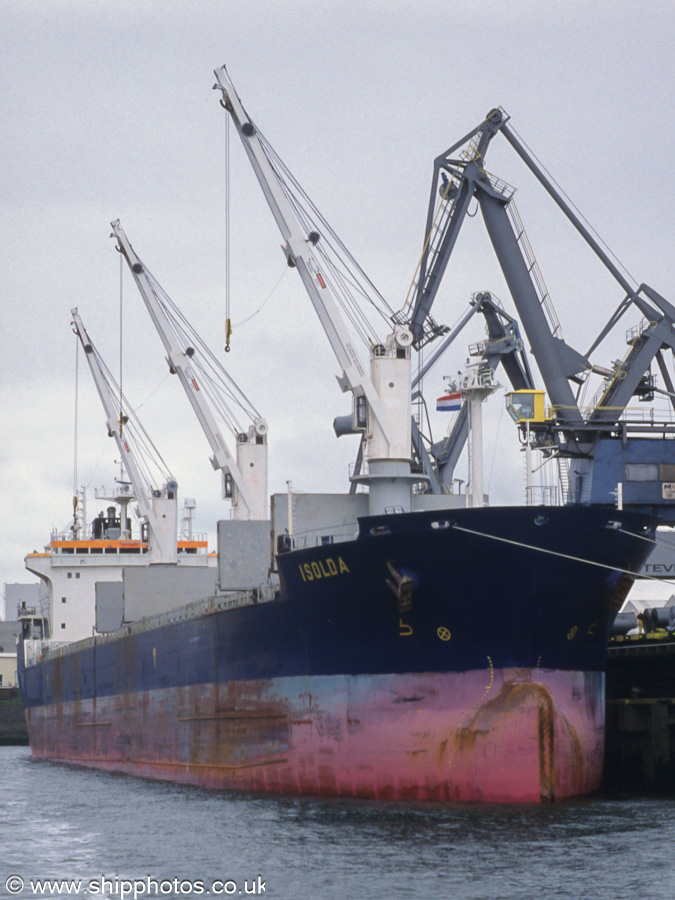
(512, 735)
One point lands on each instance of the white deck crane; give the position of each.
(244, 479)
(157, 508)
(382, 405)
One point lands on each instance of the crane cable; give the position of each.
(268, 297)
(121, 394)
(575, 207)
(228, 321)
(346, 274)
(435, 227)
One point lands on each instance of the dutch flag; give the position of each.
(449, 403)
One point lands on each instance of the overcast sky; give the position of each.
(108, 112)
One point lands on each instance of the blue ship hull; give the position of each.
(466, 637)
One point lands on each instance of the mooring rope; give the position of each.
(649, 540)
(580, 559)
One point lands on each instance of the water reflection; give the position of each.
(61, 822)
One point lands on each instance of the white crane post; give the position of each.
(159, 512)
(387, 388)
(249, 472)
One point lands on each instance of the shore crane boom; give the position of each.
(157, 508)
(603, 446)
(244, 478)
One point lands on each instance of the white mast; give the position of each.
(476, 383)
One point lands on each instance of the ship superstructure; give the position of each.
(70, 567)
(82, 568)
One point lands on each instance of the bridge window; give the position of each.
(642, 472)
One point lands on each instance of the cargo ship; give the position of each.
(400, 641)
(476, 683)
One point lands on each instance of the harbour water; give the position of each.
(104, 835)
